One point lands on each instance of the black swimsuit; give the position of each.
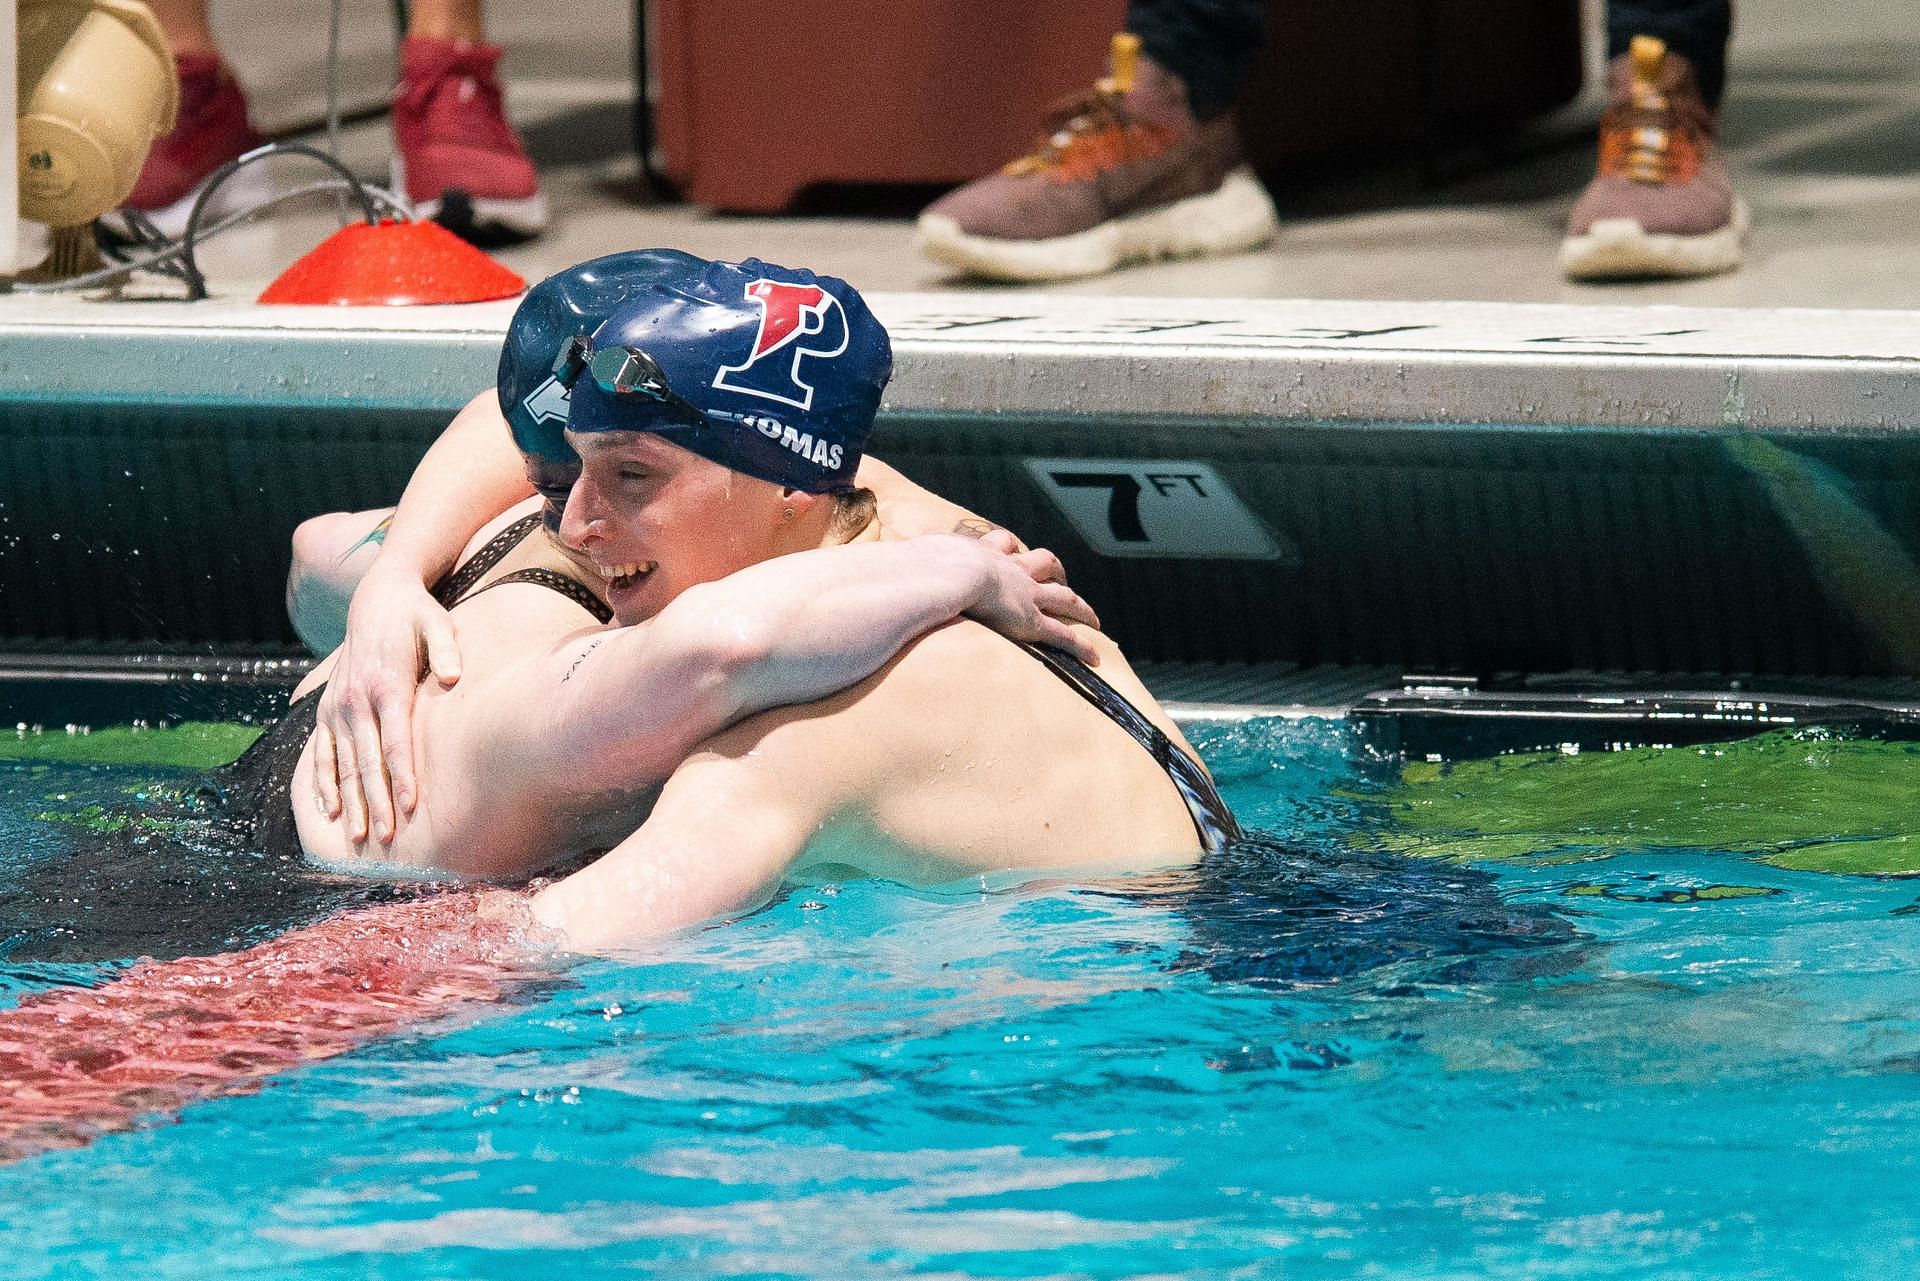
(1211, 818)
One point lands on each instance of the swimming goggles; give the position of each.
(624, 371)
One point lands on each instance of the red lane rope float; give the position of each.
(81, 1062)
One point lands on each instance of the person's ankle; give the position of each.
(449, 31)
(1159, 97)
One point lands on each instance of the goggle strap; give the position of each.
(571, 360)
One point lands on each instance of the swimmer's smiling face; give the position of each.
(655, 519)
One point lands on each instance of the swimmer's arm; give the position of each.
(909, 510)
(471, 474)
(621, 707)
(726, 828)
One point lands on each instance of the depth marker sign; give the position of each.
(1159, 509)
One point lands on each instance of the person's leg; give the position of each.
(447, 20)
(1146, 166)
(331, 553)
(457, 159)
(1662, 203)
(1211, 46)
(1697, 30)
(210, 129)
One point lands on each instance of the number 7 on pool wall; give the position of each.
(1160, 508)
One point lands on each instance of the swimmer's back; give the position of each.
(968, 755)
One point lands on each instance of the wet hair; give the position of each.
(853, 511)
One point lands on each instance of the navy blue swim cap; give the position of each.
(568, 304)
(770, 371)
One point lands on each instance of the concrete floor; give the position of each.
(1822, 120)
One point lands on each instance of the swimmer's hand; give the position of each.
(1024, 596)
(363, 758)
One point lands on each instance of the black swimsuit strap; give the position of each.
(1212, 819)
(572, 588)
(450, 590)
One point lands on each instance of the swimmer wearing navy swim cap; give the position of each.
(734, 592)
(468, 494)
(961, 757)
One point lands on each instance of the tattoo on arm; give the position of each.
(591, 646)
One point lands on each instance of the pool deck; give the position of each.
(1821, 124)
(1403, 286)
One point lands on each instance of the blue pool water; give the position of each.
(1328, 1064)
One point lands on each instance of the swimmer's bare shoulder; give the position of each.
(974, 757)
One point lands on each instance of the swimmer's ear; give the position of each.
(795, 503)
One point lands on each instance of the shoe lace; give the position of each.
(1092, 132)
(1648, 144)
(1654, 135)
(1088, 134)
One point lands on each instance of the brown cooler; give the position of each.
(761, 99)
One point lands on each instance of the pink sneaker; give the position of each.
(210, 130)
(1662, 203)
(456, 158)
(1124, 175)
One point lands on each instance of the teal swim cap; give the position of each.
(568, 304)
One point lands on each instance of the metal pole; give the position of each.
(642, 99)
(9, 140)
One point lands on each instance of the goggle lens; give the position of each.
(623, 371)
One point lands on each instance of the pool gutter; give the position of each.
(1455, 487)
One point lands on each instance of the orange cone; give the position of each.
(392, 264)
